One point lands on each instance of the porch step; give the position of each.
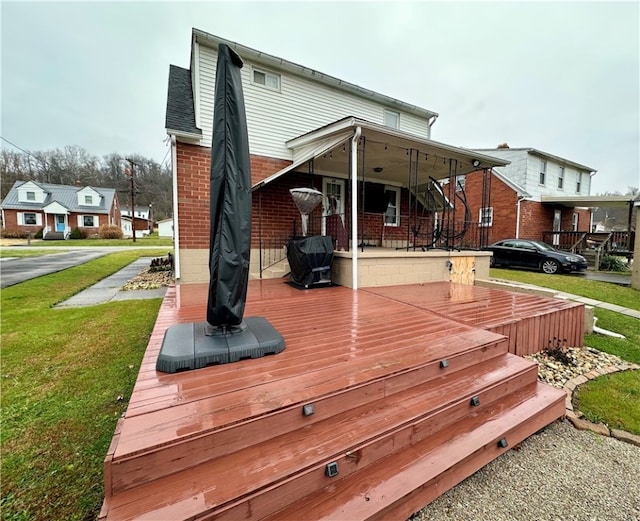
(407, 480)
(54, 236)
(262, 469)
(232, 419)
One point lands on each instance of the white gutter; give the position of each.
(430, 123)
(354, 207)
(176, 228)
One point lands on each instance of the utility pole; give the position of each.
(131, 172)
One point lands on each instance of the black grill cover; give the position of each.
(230, 240)
(310, 259)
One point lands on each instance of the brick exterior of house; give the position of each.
(274, 214)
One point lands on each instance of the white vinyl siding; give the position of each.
(29, 219)
(301, 105)
(31, 193)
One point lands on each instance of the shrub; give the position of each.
(76, 233)
(39, 234)
(14, 233)
(110, 231)
(612, 263)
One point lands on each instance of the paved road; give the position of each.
(14, 271)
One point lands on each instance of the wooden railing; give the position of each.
(578, 242)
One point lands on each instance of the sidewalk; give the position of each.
(110, 288)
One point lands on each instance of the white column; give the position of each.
(354, 207)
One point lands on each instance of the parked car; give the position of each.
(534, 254)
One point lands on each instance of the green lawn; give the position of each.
(65, 379)
(613, 399)
(603, 291)
(26, 252)
(91, 243)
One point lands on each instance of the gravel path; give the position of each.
(558, 474)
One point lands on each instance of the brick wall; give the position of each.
(193, 190)
(503, 200)
(273, 210)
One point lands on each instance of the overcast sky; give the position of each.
(562, 77)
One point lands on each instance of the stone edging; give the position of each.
(577, 418)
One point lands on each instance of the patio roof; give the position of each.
(383, 154)
(590, 201)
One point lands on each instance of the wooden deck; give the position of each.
(231, 441)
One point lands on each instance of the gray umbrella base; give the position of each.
(197, 344)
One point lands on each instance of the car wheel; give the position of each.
(492, 262)
(549, 266)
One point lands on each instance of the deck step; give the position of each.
(408, 480)
(296, 461)
(231, 419)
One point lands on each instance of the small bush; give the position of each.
(76, 233)
(612, 263)
(39, 234)
(14, 233)
(110, 231)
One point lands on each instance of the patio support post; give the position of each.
(354, 207)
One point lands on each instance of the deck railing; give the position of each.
(578, 242)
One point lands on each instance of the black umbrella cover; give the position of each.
(230, 240)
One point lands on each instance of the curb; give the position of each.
(577, 418)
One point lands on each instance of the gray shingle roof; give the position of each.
(63, 194)
(180, 114)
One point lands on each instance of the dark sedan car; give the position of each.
(534, 254)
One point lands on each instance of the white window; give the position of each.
(392, 215)
(486, 216)
(88, 199)
(392, 119)
(29, 219)
(574, 222)
(31, 196)
(561, 178)
(579, 182)
(87, 221)
(266, 79)
(543, 171)
(460, 179)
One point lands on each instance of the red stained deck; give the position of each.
(230, 442)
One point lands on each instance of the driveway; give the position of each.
(16, 270)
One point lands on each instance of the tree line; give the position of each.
(73, 165)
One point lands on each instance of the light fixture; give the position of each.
(377, 169)
(475, 163)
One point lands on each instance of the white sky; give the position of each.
(563, 77)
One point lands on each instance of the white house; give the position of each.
(165, 228)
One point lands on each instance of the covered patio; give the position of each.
(386, 194)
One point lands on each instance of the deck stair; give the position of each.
(371, 433)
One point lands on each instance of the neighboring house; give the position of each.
(536, 192)
(364, 151)
(165, 228)
(143, 221)
(58, 209)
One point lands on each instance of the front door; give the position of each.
(60, 223)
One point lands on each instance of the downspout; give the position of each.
(430, 123)
(354, 207)
(176, 228)
(520, 199)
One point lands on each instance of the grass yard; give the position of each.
(92, 243)
(603, 291)
(27, 252)
(65, 379)
(612, 399)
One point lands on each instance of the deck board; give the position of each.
(358, 347)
